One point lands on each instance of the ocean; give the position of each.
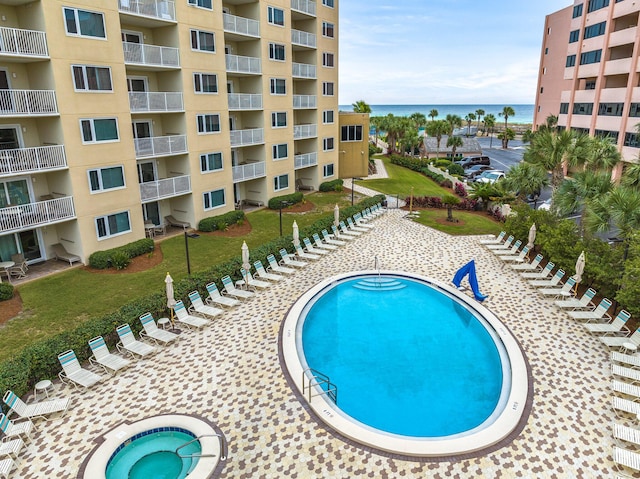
(524, 113)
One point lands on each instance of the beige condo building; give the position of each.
(114, 113)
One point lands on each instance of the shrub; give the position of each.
(460, 190)
(292, 199)
(442, 163)
(6, 291)
(120, 260)
(455, 169)
(221, 222)
(104, 259)
(335, 185)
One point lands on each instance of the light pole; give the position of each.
(283, 204)
(186, 248)
(353, 185)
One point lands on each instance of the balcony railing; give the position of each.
(249, 171)
(305, 39)
(238, 64)
(304, 6)
(166, 188)
(41, 213)
(240, 25)
(25, 43)
(245, 101)
(304, 101)
(305, 160)
(304, 70)
(304, 131)
(28, 102)
(151, 55)
(160, 146)
(146, 101)
(160, 9)
(32, 160)
(254, 136)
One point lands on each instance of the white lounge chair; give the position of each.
(626, 434)
(231, 289)
(75, 374)
(340, 236)
(312, 249)
(288, 260)
(625, 388)
(328, 238)
(11, 448)
(111, 363)
(301, 254)
(216, 298)
(321, 244)
(495, 240)
(622, 405)
(354, 227)
(629, 360)
(198, 307)
(183, 317)
(513, 251)
(544, 274)
(275, 267)
(617, 327)
(130, 345)
(548, 283)
(564, 292)
(599, 313)
(360, 222)
(150, 330)
(262, 273)
(515, 258)
(503, 246)
(21, 428)
(585, 302)
(626, 373)
(39, 410)
(6, 466)
(533, 266)
(625, 458)
(251, 283)
(60, 253)
(618, 342)
(348, 232)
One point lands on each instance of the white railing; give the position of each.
(304, 6)
(160, 145)
(143, 101)
(30, 43)
(30, 215)
(304, 70)
(166, 188)
(305, 160)
(240, 25)
(32, 160)
(245, 101)
(153, 55)
(161, 9)
(238, 64)
(249, 171)
(28, 102)
(304, 131)
(253, 136)
(304, 101)
(305, 39)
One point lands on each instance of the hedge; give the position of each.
(437, 202)
(220, 222)
(104, 259)
(40, 359)
(276, 202)
(6, 291)
(335, 185)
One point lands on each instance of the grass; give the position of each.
(469, 223)
(401, 180)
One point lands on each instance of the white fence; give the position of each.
(165, 188)
(151, 55)
(160, 145)
(28, 102)
(41, 213)
(32, 160)
(15, 41)
(249, 171)
(305, 160)
(254, 136)
(143, 101)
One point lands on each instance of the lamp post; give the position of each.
(353, 185)
(186, 248)
(283, 204)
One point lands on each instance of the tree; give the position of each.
(484, 192)
(575, 194)
(419, 120)
(526, 179)
(361, 107)
(506, 112)
(489, 124)
(598, 153)
(469, 118)
(505, 136)
(433, 114)
(454, 142)
(450, 201)
(454, 121)
(436, 129)
(631, 176)
(479, 115)
(376, 122)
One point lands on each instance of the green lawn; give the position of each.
(401, 180)
(469, 223)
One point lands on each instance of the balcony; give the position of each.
(150, 57)
(303, 39)
(612, 95)
(155, 102)
(304, 70)
(304, 101)
(240, 25)
(300, 132)
(28, 103)
(155, 10)
(305, 160)
(160, 146)
(245, 101)
(249, 171)
(23, 45)
(253, 136)
(166, 188)
(31, 215)
(32, 160)
(621, 66)
(625, 36)
(304, 6)
(247, 65)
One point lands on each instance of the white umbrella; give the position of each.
(296, 234)
(245, 257)
(336, 216)
(532, 236)
(171, 301)
(579, 268)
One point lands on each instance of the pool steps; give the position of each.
(379, 284)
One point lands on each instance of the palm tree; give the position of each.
(489, 124)
(600, 152)
(376, 122)
(631, 177)
(469, 118)
(506, 112)
(436, 129)
(479, 115)
(419, 120)
(576, 193)
(484, 192)
(433, 114)
(453, 121)
(454, 142)
(505, 136)
(361, 107)
(526, 179)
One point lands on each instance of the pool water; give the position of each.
(406, 358)
(153, 456)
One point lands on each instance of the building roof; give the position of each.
(469, 145)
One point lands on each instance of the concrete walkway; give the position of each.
(381, 172)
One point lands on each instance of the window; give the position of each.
(88, 78)
(327, 170)
(634, 110)
(546, 50)
(571, 61)
(213, 199)
(564, 108)
(276, 51)
(327, 60)
(96, 130)
(351, 133)
(280, 152)
(541, 89)
(328, 3)
(276, 16)
(203, 41)
(590, 57)
(208, 123)
(112, 225)
(281, 182)
(606, 134)
(610, 109)
(582, 108)
(590, 85)
(210, 162)
(83, 23)
(328, 29)
(202, 3)
(595, 30)
(327, 116)
(102, 179)
(327, 144)
(632, 140)
(278, 119)
(597, 5)
(577, 11)
(327, 88)
(205, 82)
(278, 86)
(574, 36)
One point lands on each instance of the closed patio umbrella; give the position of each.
(296, 235)
(336, 216)
(532, 236)
(579, 268)
(171, 301)
(245, 257)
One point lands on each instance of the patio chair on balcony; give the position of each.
(171, 221)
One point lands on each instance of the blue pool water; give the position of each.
(153, 456)
(406, 358)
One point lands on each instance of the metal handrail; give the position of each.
(331, 391)
(223, 447)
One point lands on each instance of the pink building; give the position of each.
(589, 71)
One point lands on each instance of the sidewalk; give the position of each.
(381, 172)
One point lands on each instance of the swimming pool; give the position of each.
(419, 368)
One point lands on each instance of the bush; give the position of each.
(120, 260)
(438, 202)
(335, 185)
(220, 222)
(442, 163)
(460, 190)
(6, 291)
(104, 259)
(292, 199)
(455, 169)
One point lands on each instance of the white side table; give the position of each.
(164, 322)
(628, 348)
(42, 386)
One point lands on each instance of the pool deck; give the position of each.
(230, 373)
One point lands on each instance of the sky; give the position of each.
(441, 51)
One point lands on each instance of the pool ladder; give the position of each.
(223, 448)
(376, 265)
(316, 378)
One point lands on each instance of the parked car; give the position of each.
(469, 161)
(475, 170)
(545, 205)
(490, 176)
